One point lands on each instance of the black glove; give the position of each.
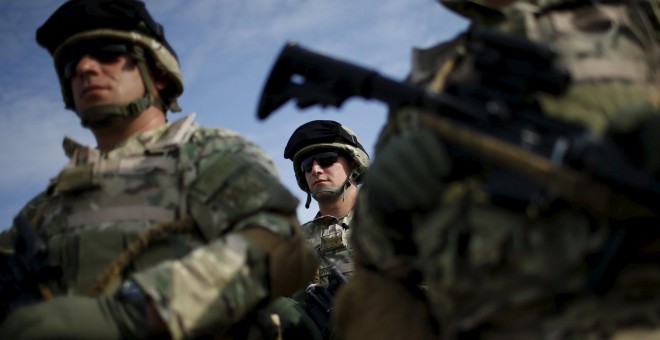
(642, 144)
(76, 317)
(407, 175)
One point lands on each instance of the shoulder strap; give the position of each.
(176, 134)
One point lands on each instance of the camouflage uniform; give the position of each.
(328, 236)
(100, 203)
(209, 202)
(498, 269)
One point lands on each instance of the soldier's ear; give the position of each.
(161, 81)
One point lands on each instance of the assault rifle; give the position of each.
(320, 300)
(490, 115)
(23, 271)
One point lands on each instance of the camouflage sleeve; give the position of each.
(254, 252)
(30, 211)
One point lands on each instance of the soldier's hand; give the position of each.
(407, 174)
(76, 318)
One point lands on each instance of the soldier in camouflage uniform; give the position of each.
(165, 228)
(498, 268)
(329, 162)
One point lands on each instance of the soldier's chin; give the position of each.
(325, 194)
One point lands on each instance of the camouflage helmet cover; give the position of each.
(490, 11)
(476, 10)
(86, 20)
(322, 135)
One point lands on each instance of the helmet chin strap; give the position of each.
(334, 192)
(104, 115)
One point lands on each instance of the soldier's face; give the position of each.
(325, 174)
(104, 79)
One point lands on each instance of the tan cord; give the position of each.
(134, 249)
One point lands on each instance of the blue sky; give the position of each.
(226, 49)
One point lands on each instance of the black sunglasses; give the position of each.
(104, 54)
(325, 159)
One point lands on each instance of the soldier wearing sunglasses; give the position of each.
(329, 162)
(164, 228)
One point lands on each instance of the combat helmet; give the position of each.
(318, 135)
(492, 12)
(82, 22)
(479, 11)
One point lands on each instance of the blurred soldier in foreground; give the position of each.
(329, 162)
(498, 262)
(165, 228)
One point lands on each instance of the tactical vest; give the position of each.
(611, 51)
(610, 48)
(100, 202)
(528, 274)
(329, 236)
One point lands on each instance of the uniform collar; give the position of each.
(162, 137)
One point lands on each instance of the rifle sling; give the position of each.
(569, 184)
